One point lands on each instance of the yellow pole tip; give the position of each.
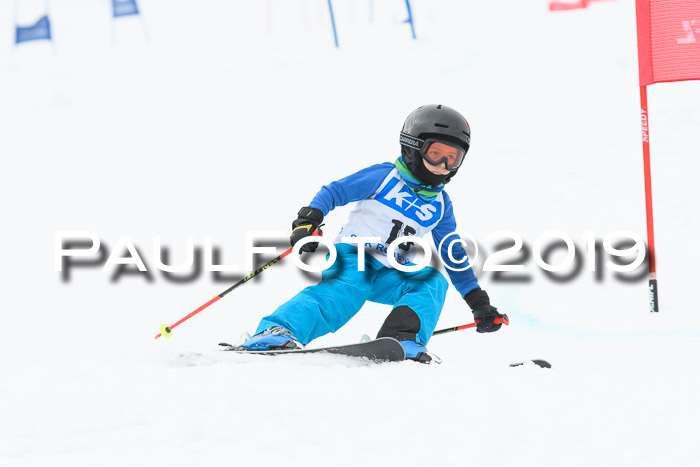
(165, 332)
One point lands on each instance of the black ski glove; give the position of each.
(486, 317)
(308, 221)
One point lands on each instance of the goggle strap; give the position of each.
(411, 141)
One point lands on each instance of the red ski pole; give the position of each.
(503, 320)
(167, 331)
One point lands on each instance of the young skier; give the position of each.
(396, 199)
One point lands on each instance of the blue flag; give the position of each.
(124, 8)
(40, 30)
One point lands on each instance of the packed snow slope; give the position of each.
(220, 118)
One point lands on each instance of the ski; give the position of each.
(384, 349)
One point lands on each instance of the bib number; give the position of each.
(407, 230)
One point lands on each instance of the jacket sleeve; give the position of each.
(465, 280)
(355, 187)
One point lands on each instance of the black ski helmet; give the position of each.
(432, 122)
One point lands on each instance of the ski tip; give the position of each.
(540, 363)
(227, 346)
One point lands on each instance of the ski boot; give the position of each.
(416, 351)
(272, 339)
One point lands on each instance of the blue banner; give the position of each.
(124, 8)
(38, 31)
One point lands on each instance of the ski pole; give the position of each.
(167, 331)
(503, 320)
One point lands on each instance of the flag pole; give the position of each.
(15, 14)
(335, 33)
(51, 36)
(144, 28)
(410, 18)
(653, 288)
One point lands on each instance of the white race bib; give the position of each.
(393, 211)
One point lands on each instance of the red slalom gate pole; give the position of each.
(503, 320)
(653, 288)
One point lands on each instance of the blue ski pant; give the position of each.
(327, 306)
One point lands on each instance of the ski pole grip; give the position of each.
(503, 320)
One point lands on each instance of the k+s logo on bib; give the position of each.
(401, 198)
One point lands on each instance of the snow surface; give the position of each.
(228, 120)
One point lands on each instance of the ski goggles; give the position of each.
(436, 152)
